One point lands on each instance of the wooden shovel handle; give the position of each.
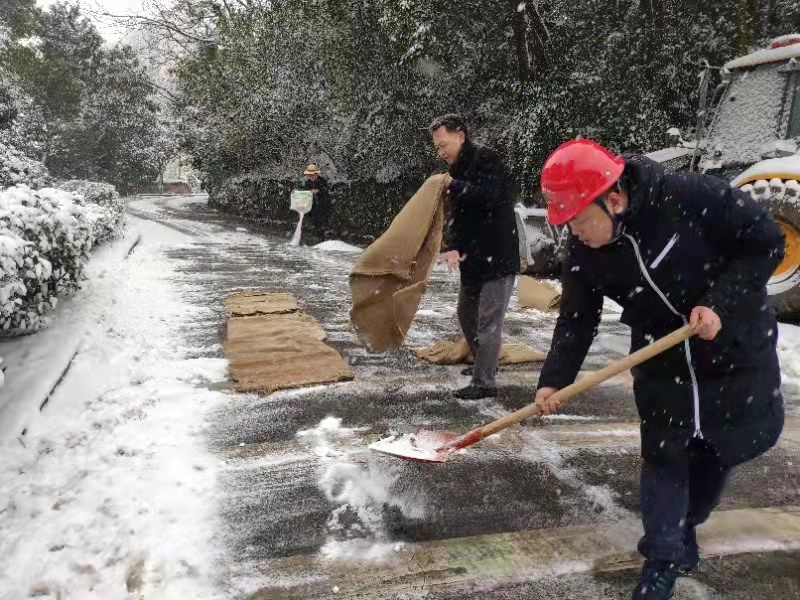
(581, 385)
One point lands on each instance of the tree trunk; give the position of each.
(768, 18)
(539, 38)
(653, 11)
(746, 25)
(521, 42)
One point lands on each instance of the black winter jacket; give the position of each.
(702, 243)
(322, 199)
(481, 225)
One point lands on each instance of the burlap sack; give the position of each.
(457, 352)
(271, 345)
(389, 279)
(538, 295)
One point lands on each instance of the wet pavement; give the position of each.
(309, 512)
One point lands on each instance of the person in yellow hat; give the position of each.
(321, 209)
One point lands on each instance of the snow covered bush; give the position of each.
(106, 208)
(45, 239)
(16, 258)
(103, 194)
(16, 168)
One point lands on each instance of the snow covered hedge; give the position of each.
(45, 239)
(257, 195)
(109, 221)
(16, 168)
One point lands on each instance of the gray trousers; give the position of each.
(481, 311)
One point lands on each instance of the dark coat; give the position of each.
(321, 209)
(703, 244)
(481, 224)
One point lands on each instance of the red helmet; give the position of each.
(574, 175)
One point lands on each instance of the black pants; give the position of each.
(481, 311)
(320, 222)
(675, 498)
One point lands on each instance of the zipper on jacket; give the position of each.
(695, 389)
(664, 252)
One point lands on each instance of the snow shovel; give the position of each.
(431, 446)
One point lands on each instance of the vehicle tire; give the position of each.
(784, 285)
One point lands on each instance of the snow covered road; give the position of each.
(145, 477)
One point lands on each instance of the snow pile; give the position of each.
(338, 246)
(16, 168)
(46, 238)
(327, 436)
(355, 527)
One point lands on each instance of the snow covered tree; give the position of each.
(265, 86)
(91, 113)
(17, 18)
(116, 137)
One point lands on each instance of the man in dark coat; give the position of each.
(481, 240)
(321, 209)
(671, 248)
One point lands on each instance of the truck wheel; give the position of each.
(782, 201)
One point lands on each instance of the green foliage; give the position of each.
(85, 110)
(17, 17)
(353, 85)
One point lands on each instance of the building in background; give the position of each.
(178, 177)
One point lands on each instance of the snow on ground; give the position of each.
(112, 495)
(356, 490)
(115, 493)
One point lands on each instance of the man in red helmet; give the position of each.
(671, 248)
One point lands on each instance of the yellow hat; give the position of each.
(311, 170)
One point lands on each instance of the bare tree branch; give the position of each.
(163, 24)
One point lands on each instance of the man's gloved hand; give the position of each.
(705, 322)
(543, 400)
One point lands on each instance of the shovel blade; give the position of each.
(422, 446)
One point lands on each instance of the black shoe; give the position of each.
(476, 392)
(657, 581)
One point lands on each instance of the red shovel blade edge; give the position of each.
(422, 446)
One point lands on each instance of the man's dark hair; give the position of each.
(451, 122)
